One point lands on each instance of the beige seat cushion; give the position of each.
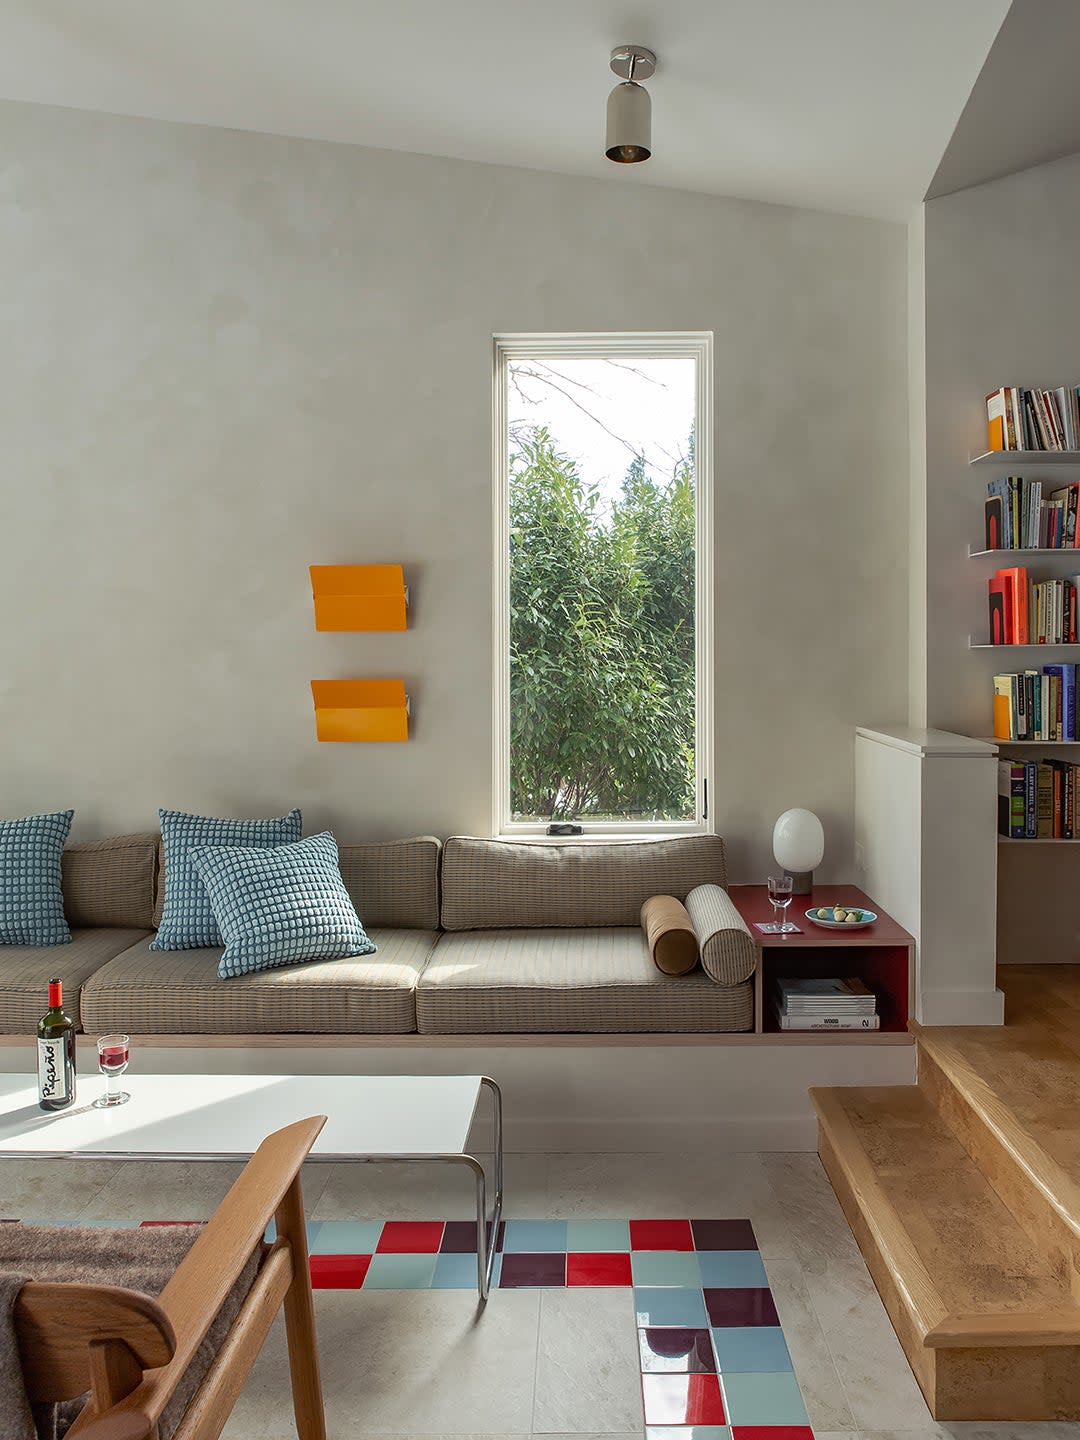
(25, 971)
(177, 992)
(586, 981)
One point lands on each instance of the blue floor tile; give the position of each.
(764, 1399)
(455, 1272)
(535, 1237)
(597, 1237)
(670, 1306)
(400, 1272)
(665, 1267)
(759, 1349)
(345, 1237)
(725, 1269)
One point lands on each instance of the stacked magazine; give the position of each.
(825, 1005)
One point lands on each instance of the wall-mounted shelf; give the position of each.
(1063, 550)
(359, 597)
(1053, 744)
(361, 710)
(974, 644)
(1026, 457)
(1014, 840)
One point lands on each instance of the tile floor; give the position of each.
(587, 1357)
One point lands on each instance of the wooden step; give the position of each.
(1012, 1098)
(988, 1326)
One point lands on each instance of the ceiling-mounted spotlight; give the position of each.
(629, 109)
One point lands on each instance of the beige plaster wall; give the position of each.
(227, 356)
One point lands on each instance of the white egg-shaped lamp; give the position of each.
(798, 842)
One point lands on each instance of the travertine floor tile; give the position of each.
(826, 1402)
(587, 1379)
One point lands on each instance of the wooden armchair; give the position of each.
(130, 1352)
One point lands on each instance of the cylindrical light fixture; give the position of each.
(629, 109)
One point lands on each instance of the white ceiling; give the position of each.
(841, 105)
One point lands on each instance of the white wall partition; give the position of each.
(926, 847)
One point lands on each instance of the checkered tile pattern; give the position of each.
(31, 898)
(279, 906)
(187, 921)
(714, 1364)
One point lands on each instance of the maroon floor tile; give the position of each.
(410, 1237)
(682, 1400)
(772, 1432)
(459, 1237)
(661, 1235)
(741, 1307)
(528, 1271)
(723, 1235)
(605, 1269)
(338, 1272)
(674, 1351)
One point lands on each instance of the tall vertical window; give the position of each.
(603, 581)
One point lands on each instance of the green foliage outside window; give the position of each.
(602, 678)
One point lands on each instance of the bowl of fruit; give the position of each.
(841, 917)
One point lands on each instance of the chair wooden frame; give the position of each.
(130, 1351)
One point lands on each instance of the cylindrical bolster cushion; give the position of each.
(670, 935)
(728, 952)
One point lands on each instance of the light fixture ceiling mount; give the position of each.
(629, 109)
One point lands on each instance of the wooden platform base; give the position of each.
(964, 1195)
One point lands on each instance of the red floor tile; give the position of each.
(772, 1432)
(338, 1272)
(607, 1269)
(410, 1237)
(661, 1235)
(682, 1400)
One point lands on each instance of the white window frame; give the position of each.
(688, 344)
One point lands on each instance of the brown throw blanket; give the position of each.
(139, 1259)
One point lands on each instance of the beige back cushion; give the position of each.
(503, 884)
(111, 882)
(394, 883)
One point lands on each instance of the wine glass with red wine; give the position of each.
(113, 1061)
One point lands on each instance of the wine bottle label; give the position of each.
(53, 1079)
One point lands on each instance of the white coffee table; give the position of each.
(370, 1118)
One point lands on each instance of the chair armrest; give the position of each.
(208, 1272)
(728, 948)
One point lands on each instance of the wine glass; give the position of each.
(780, 887)
(112, 1061)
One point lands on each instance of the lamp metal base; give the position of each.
(802, 881)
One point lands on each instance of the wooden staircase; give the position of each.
(964, 1195)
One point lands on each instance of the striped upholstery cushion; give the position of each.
(148, 992)
(728, 952)
(111, 882)
(394, 882)
(26, 970)
(596, 980)
(498, 884)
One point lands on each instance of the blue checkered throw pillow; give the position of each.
(31, 900)
(187, 920)
(280, 907)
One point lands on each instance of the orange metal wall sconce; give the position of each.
(359, 597)
(361, 710)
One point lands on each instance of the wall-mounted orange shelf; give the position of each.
(359, 597)
(361, 710)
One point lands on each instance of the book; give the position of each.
(1005, 708)
(997, 434)
(1017, 578)
(993, 524)
(1000, 596)
(831, 1022)
(1011, 795)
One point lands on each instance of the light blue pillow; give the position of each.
(280, 907)
(31, 897)
(187, 920)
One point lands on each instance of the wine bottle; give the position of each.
(56, 1053)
